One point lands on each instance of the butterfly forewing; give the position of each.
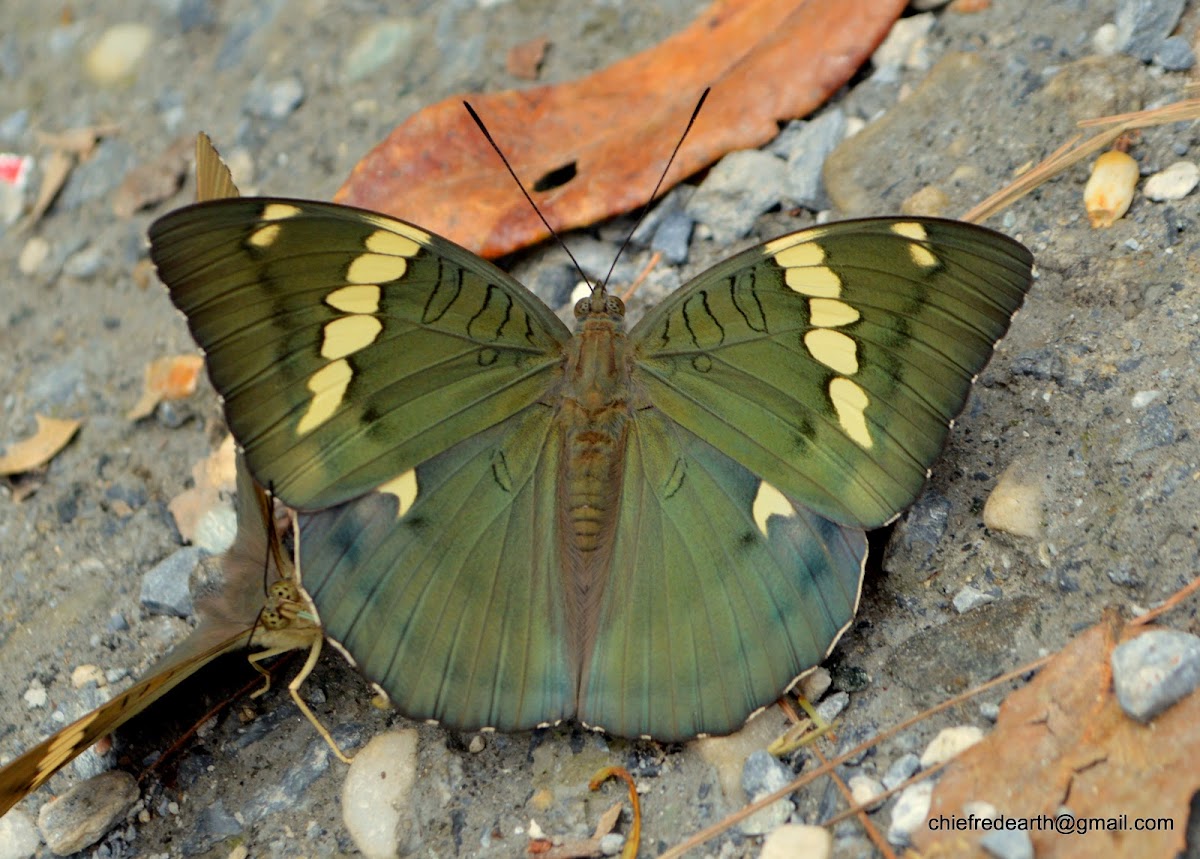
(349, 347)
(833, 359)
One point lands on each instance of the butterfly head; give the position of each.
(600, 305)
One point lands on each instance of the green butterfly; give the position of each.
(653, 532)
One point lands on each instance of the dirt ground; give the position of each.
(1093, 398)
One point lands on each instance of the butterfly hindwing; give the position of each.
(448, 591)
(348, 346)
(834, 359)
(720, 591)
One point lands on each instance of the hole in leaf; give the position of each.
(555, 178)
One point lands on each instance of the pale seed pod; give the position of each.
(1109, 189)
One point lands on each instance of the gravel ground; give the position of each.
(1089, 404)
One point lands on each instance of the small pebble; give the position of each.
(968, 598)
(815, 684)
(1154, 671)
(1142, 25)
(1007, 844)
(1015, 505)
(864, 789)
(948, 743)
(33, 254)
(477, 744)
(612, 843)
(81, 816)
(1173, 183)
(909, 812)
(905, 47)
(18, 836)
(115, 57)
(990, 710)
(901, 770)
(165, 588)
(384, 43)
(85, 674)
(1175, 54)
(376, 796)
(35, 696)
(763, 774)
(832, 707)
(794, 839)
(1141, 399)
(276, 100)
(1110, 187)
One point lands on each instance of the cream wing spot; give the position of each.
(830, 313)
(349, 334)
(405, 488)
(815, 281)
(391, 244)
(790, 253)
(264, 237)
(363, 298)
(769, 501)
(279, 211)
(835, 350)
(398, 228)
(328, 386)
(921, 256)
(850, 402)
(375, 269)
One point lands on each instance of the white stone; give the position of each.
(910, 811)
(864, 789)
(794, 839)
(376, 798)
(1173, 183)
(115, 57)
(1141, 399)
(1015, 505)
(18, 836)
(35, 696)
(815, 684)
(88, 673)
(948, 743)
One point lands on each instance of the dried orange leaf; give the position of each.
(171, 378)
(51, 436)
(595, 147)
(212, 476)
(1064, 741)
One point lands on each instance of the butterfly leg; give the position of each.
(314, 653)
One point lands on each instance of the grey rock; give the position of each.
(384, 43)
(969, 598)
(832, 707)
(276, 100)
(922, 528)
(165, 587)
(674, 200)
(673, 236)
(1142, 25)
(763, 774)
(612, 843)
(1154, 671)
(1007, 844)
(901, 770)
(81, 816)
(738, 189)
(909, 812)
(18, 836)
(97, 177)
(85, 264)
(596, 257)
(808, 149)
(1175, 54)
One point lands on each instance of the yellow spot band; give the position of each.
(404, 488)
(850, 402)
(830, 313)
(391, 244)
(363, 298)
(834, 349)
(347, 335)
(328, 386)
(375, 268)
(769, 501)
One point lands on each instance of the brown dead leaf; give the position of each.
(55, 171)
(595, 147)
(171, 378)
(1064, 740)
(51, 436)
(524, 61)
(69, 148)
(212, 477)
(151, 183)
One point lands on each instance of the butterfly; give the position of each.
(233, 616)
(655, 531)
(255, 606)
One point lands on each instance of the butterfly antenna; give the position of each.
(487, 135)
(653, 194)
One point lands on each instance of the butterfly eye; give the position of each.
(581, 307)
(615, 306)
